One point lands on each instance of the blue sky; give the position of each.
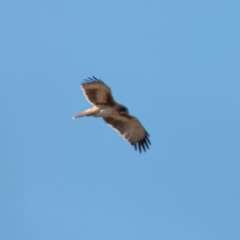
(175, 65)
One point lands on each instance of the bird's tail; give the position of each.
(87, 112)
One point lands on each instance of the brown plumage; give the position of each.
(114, 114)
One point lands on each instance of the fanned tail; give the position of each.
(87, 112)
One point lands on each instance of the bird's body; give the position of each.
(97, 111)
(113, 113)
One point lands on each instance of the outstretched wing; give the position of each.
(97, 92)
(131, 129)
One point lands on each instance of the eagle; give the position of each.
(113, 113)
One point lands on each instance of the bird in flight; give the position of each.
(113, 113)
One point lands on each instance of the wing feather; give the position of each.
(97, 92)
(131, 129)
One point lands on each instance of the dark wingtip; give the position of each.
(92, 79)
(143, 144)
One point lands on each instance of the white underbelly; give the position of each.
(104, 112)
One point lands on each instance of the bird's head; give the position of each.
(122, 109)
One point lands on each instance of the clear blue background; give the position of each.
(175, 65)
